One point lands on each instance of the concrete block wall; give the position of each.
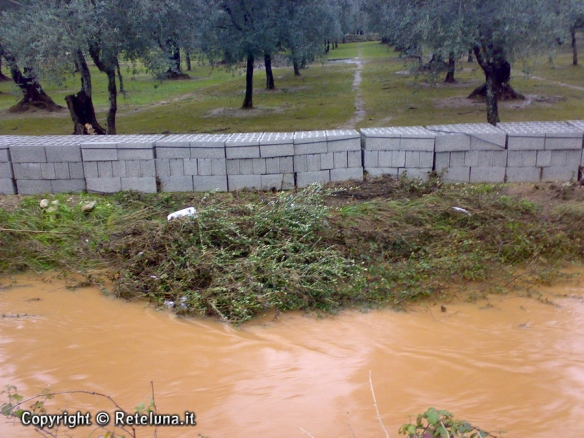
(473, 152)
(324, 156)
(119, 162)
(398, 151)
(512, 152)
(543, 151)
(46, 164)
(261, 160)
(7, 186)
(191, 162)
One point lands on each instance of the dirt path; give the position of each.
(561, 84)
(359, 114)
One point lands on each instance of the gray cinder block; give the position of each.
(118, 168)
(243, 145)
(379, 171)
(7, 186)
(173, 146)
(327, 161)
(304, 179)
(347, 174)
(559, 173)
(99, 151)
(191, 166)
(136, 152)
(48, 171)
(280, 181)
(354, 159)
(30, 171)
(371, 158)
(232, 167)
(412, 159)
(238, 182)
(210, 183)
(458, 159)
(276, 144)
(313, 163)
(205, 167)
(176, 183)
(555, 143)
(487, 174)
(177, 167)
(426, 159)
(544, 158)
(310, 142)
(33, 187)
(27, 154)
(162, 167)
(218, 167)
(208, 153)
(340, 160)
(146, 185)
(61, 170)
(343, 140)
(104, 185)
(442, 160)
(76, 170)
(259, 166)
(452, 142)
(63, 153)
(457, 174)
(6, 170)
(105, 169)
(233, 153)
(416, 173)
(523, 174)
(409, 138)
(89, 169)
(525, 142)
(468, 136)
(68, 185)
(246, 166)
(4, 155)
(132, 170)
(287, 164)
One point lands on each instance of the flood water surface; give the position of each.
(508, 363)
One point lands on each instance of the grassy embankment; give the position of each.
(382, 242)
(322, 98)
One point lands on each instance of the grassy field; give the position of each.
(321, 98)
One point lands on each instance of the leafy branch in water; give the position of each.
(15, 407)
(441, 424)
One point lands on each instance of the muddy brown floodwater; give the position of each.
(507, 363)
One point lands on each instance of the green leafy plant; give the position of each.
(436, 423)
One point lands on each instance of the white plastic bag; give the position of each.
(191, 211)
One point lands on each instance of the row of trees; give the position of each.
(493, 32)
(51, 38)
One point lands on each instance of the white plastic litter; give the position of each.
(462, 210)
(191, 211)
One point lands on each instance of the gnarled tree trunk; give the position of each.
(188, 60)
(81, 104)
(3, 77)
(269, 74)
(33, 94)
(296, 68)
(107, 65)
(574, 47)
(496, 87)
(248, 101)
(451, 67)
